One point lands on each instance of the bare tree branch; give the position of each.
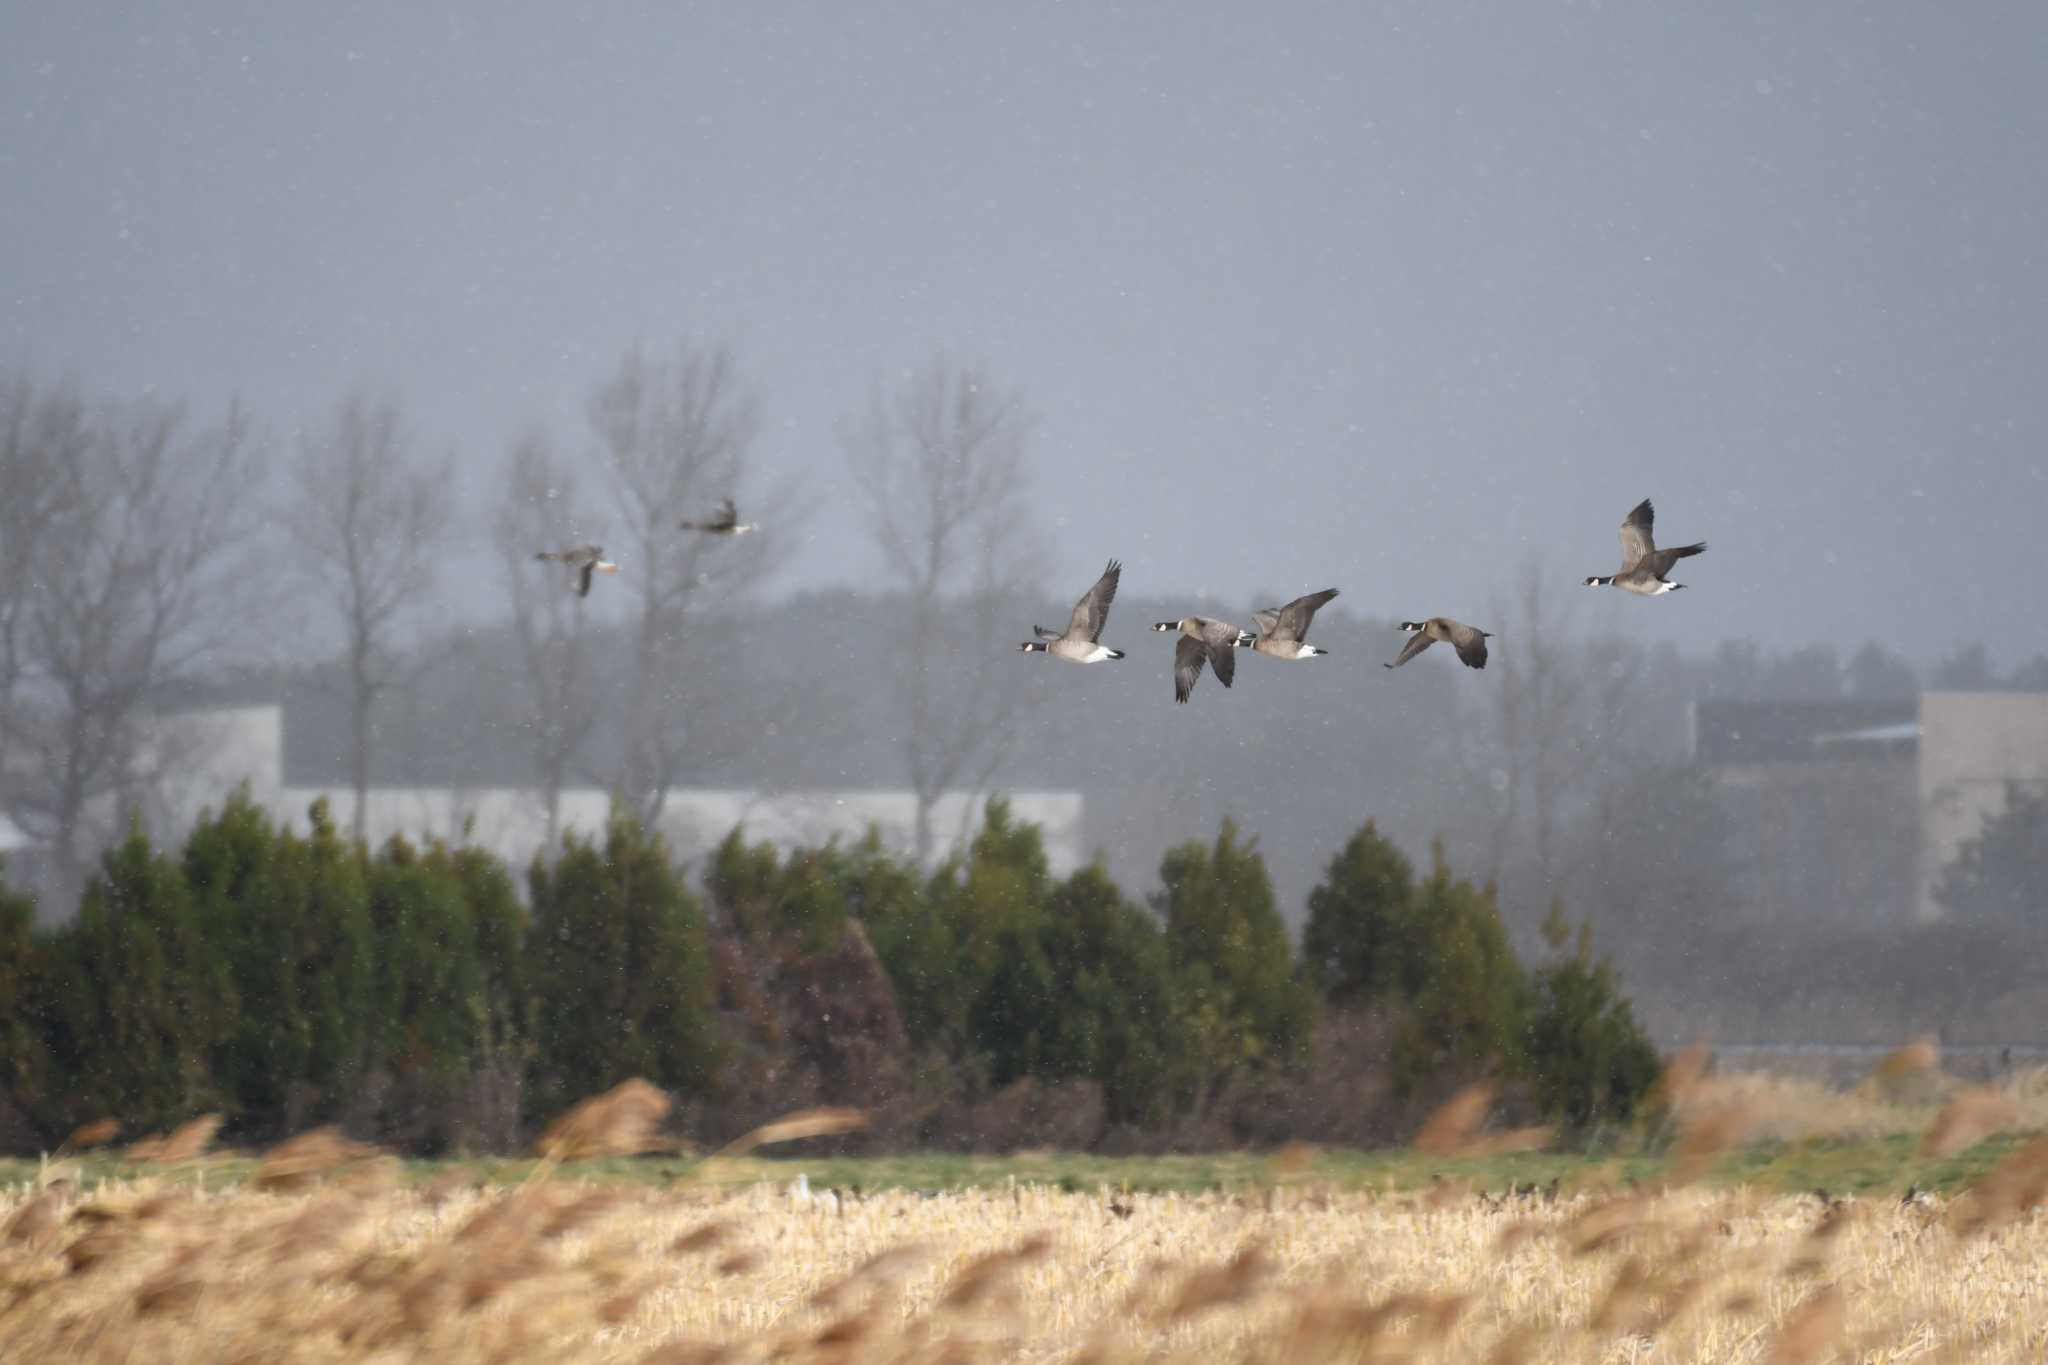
(675, 438)
(942, 467)
(153, 583)
(538, 510)
(369, 518)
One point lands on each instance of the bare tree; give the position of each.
(675, 439)
(368, 515)
(1569, 741)
(1533, 703)
(942, 465)
(45, 436)
(152, 584)
(538, 511)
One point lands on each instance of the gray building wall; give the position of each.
(1973, 747)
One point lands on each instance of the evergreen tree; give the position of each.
(997, 908)
(23, 1057)
(289, 920)
(1113, 1001)
(1586, 1058)
(943, 947)
(797, 971)
(622, 981)
(807, 901)
(1465, 992)
(139, 1002)
(428, 986)
(1355, 946)
(1241, 1002)
(498, 927)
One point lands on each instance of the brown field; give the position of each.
(564, 1271)
(324, 1253)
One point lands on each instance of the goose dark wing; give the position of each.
(728, 515)
(1417, 642)
(1637, 538)
(1267, 619)
(1661, 561)
(1223, 658)
(1189, 654)
(1093, 609)
(583, 581)
(1295, 616)
(1470, 644)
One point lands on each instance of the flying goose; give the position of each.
(1643, 565)
(1468, 641)
(585, 560)
(1283, 631)
(1081, 644)
(1202, 639)
(725, 522)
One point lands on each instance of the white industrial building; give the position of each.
(219, 750)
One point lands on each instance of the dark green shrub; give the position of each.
(1586, 1059)
(1357, 945)
(1241, 1003)
(1114, 1008)
(24, 1058)
(621, 971)
(138, 1002)
(289, 918)
(1464, 991)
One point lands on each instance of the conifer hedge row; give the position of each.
(287, 979)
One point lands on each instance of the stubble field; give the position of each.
(324, 1251)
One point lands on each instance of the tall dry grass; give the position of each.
(328, 1260)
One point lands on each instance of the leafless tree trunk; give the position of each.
(369, 518)
(152, 583)
(942, 464)
(1533, 701)
(1573, 730)
(675, 437)
(45, 436)
(538, 511)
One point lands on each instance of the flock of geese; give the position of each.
(585, 560)
(1282, 631)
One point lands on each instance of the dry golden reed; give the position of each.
(620, 1122)
(807, 1123)
(320, 1258)
(1918, 1057)
(1450, 1127)
(1967, 1119)
(300, 1161)
(1811, 1332)
(2010, 1191)
(561, 1271)
(187, 1142)
(1681, 1076)
(98, 1133)
(1707, 1135)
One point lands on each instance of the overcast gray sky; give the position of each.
(1382, 296)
